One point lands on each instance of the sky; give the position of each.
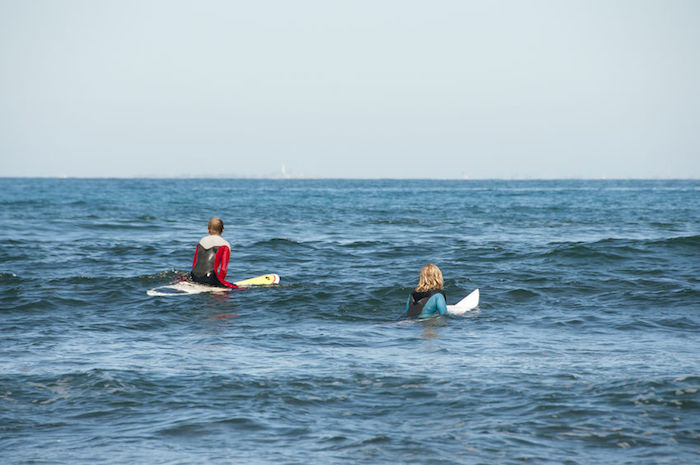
(436, 89)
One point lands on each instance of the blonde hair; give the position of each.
(216, 226)
(430, 278)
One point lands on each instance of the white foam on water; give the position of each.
(184, 288)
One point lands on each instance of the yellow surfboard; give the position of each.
(264, 280)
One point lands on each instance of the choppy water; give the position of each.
(585, 348)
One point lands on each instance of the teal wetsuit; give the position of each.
(426, 304)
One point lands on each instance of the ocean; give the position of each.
(585, 347)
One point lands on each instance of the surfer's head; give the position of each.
(430, 278)
(216, 226)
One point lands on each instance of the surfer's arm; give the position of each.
(196, 252)
(436, 305)
(441, 304)
(408, 302)
(221, 266)
(221, 262)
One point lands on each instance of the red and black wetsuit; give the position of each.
(211, 261)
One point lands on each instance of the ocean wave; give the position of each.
(690, 242)
(520, 295)
(76, 279)
(135, 224)
(651, 321)
(397, 221)
(108, 282)
(642, 254)
(608, 249)
(282, 243)
(23, 203)
(205, 425)
(361, 244)
(628, 244)
(21, 303)
(69, 387)
(165, 274)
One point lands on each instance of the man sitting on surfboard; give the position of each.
(211, 257)
(428, 298)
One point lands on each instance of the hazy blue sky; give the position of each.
(365, 89)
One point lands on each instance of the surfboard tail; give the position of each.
(470, 302)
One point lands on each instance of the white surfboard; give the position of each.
(189, 287)
(470, 302)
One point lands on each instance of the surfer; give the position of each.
(210, 263)
(427, 299)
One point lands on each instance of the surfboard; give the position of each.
(189, 287)
(470, 302)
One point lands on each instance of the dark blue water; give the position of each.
(585, 348)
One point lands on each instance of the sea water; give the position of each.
(585, 348)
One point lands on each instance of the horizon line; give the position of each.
(332, 178)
